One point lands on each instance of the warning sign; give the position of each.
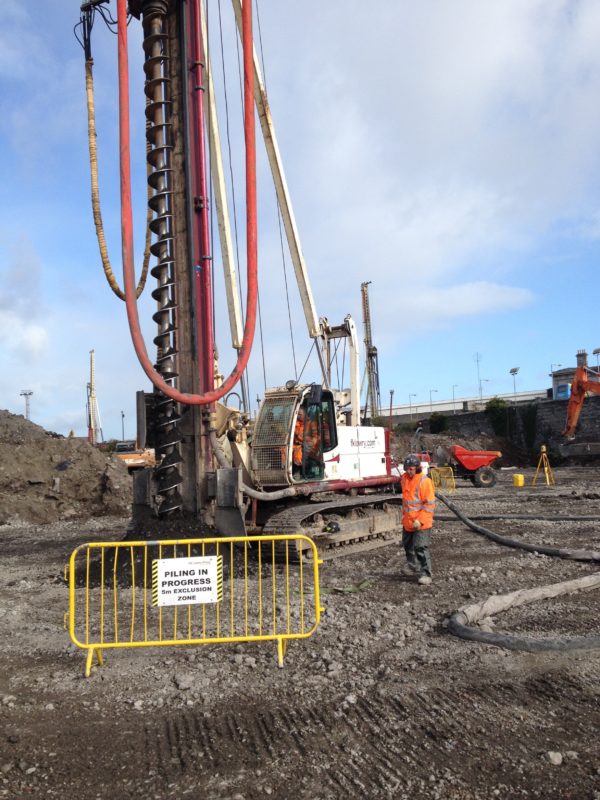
(186, 581)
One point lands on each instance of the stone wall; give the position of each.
(551, 419)
(470, 423)
(549, 422)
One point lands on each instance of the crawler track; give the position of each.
(365, 523)
(377, 748)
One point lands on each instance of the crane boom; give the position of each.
(581, 385)
(281, 190)
(223, 222)
(318, 328)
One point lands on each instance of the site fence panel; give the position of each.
(192, 592)
(443, 478)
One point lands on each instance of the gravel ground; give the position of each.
(380, 702)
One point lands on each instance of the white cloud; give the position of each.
(20, 45)
(436, 100)
(23, 340)
(20, 274)
(436, 307)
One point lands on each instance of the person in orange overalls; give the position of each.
(306, 439)
(418, 507)
(298, 439)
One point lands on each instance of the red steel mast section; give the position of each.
(204, 327)
(201, 246)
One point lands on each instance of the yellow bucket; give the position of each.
(518, 480)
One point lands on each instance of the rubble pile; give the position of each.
(47, 478)
(435, 443)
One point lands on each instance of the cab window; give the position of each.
(329, 436)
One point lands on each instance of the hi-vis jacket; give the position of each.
(306, 435)
(418, 501)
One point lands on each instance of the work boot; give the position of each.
(409, 571)
(424, 580)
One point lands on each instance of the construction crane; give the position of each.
(92, 411)
(213, 466)
(373, 401)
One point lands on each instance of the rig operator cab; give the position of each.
(300, 437)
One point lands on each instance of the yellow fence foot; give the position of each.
(281, 648)
(90, 656)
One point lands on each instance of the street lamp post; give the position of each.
(410, 396)
(431, 391)
(478, 359)
(454, 386)
(514, 372)
(391, 398)
(122, 426)
(481, 382)
(596, 352)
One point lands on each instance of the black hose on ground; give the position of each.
(457, 623)
(557, 552)
(457, 626)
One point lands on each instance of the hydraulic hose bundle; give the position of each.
(461, 621)
(96, 208)
(84, 37)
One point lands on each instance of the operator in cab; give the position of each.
(306, 445)
(418, 507)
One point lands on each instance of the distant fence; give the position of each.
(443, 478)
(192, 592)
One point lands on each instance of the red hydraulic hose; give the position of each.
(201, 239)
(127, 224)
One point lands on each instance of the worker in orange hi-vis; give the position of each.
(298, 439)
(312, 438)
(418, 507)
(306, 443)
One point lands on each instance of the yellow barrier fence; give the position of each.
(192, 591)
(443, 478)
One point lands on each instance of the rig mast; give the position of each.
(92, 411)
(373, 401)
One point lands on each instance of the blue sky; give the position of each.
(447, 152)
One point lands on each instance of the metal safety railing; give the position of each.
(193, 591)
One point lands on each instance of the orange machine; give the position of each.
(581, 385)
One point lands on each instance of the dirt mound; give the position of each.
(437, 443)
(46, 478)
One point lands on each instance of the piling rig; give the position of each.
(215, 468)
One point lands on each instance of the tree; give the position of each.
(497, 411)
(438, 423)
